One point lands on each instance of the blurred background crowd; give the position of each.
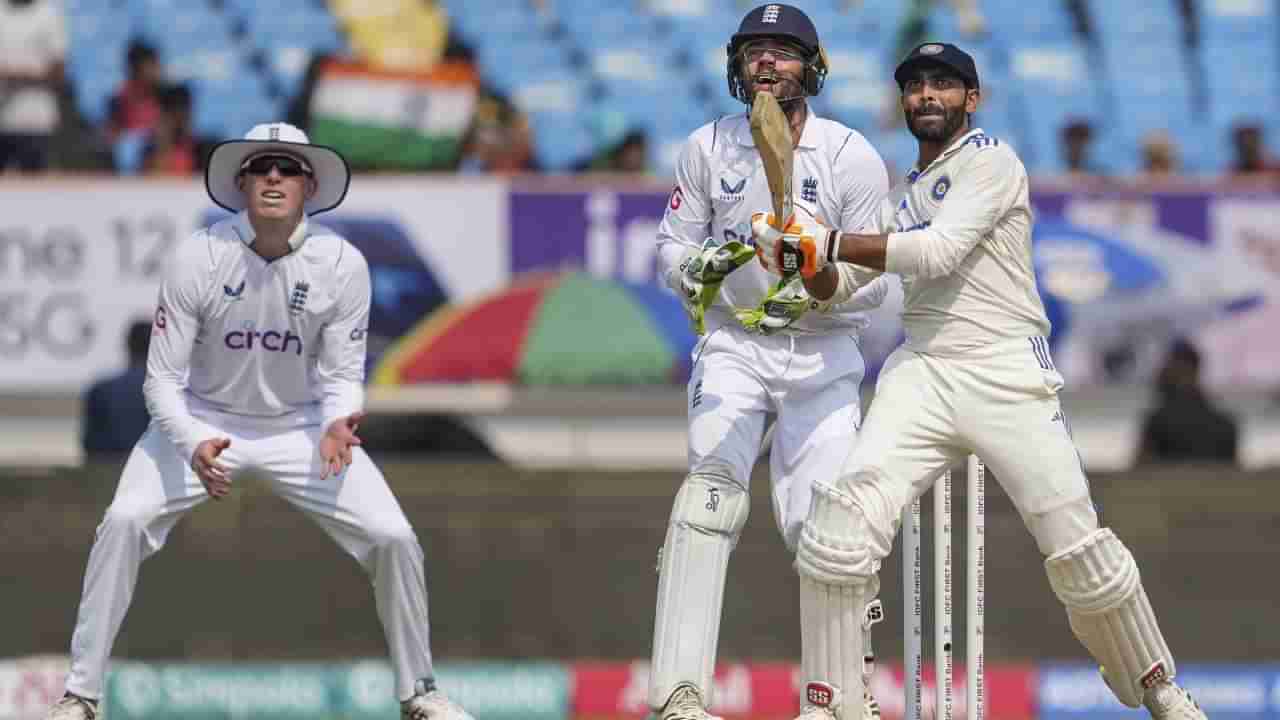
(1083, 88)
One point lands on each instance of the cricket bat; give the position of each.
(772, 135)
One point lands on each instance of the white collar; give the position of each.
(244, 229)
(952, 149)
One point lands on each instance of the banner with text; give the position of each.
(1121, 274)
(81, 260)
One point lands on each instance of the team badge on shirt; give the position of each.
(298, 298)
(940, 188)
(809, 189)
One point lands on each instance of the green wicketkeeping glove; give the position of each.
(783, 305)
(702, 273)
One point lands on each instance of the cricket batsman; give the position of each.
(257, 361)
(974, 376)
(765, 350)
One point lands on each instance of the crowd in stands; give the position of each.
(158, 117)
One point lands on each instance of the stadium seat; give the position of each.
(1055, 85)
(1015, 24)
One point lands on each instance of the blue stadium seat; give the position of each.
(591, 26)
(1015, 23)
(859, 90)
(1120, 25)
(510, 65)
(1231, 22)
(1058, 86)
(314, 30)
(93, 92)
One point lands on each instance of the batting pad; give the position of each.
(707, 517)
(1097, 579)
(831, 641)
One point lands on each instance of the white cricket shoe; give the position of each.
(73, 707)
(1168, 701)
(685, 703)
(428, 703)
(870, 710)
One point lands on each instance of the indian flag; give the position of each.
(392, 119)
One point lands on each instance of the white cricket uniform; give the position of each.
(807, 375)
(974, 374)
(267, 354)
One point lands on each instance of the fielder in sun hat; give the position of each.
(325, 165)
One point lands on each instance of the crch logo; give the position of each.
(269, 340)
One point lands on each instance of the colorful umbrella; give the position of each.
(566, 328)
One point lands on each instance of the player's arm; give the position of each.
(687, 219)
(979, 196)
(340, 363)
(865, 183)
(173, 334)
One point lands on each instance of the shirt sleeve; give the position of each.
(864, 184)
(340, 364)
(173, 334)
(687, 220)
(864, 191)
(979, 196)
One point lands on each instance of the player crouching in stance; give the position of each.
(974, 376)
(257, 361)
(766, 349)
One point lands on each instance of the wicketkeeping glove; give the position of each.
(783, 305)
(800, 247)
(702, 272)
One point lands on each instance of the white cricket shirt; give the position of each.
(838, 178)
(279, 343)
(960, 237)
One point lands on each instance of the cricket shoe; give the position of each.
(73, 707)
(1168, 701)
(870, 710)
(685, 703)
(428, 703)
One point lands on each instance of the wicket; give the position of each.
(913, 610)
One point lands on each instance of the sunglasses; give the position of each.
(288, 167)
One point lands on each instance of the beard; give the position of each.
(786, 88)
(952, 120)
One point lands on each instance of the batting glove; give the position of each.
(803, 247)
(701, 273)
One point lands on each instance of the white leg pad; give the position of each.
(1098, 581)
(837, 581)
(708, 515)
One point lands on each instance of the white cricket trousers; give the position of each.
(1000, 402)
(355, 507)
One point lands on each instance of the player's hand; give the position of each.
(336, 444)
(803, 247)
(702, 272)
(213, 474)
(784, 304)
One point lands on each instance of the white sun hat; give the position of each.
(329, 168)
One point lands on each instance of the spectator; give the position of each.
(33, 42)
(500, 139)
(1077, 142)
(171, 149)
(1159, 155)
(136, 105)
(1185, 425)
(1252, 160)
(630, 154)
(115, 413)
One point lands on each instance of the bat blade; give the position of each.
(772, 135)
